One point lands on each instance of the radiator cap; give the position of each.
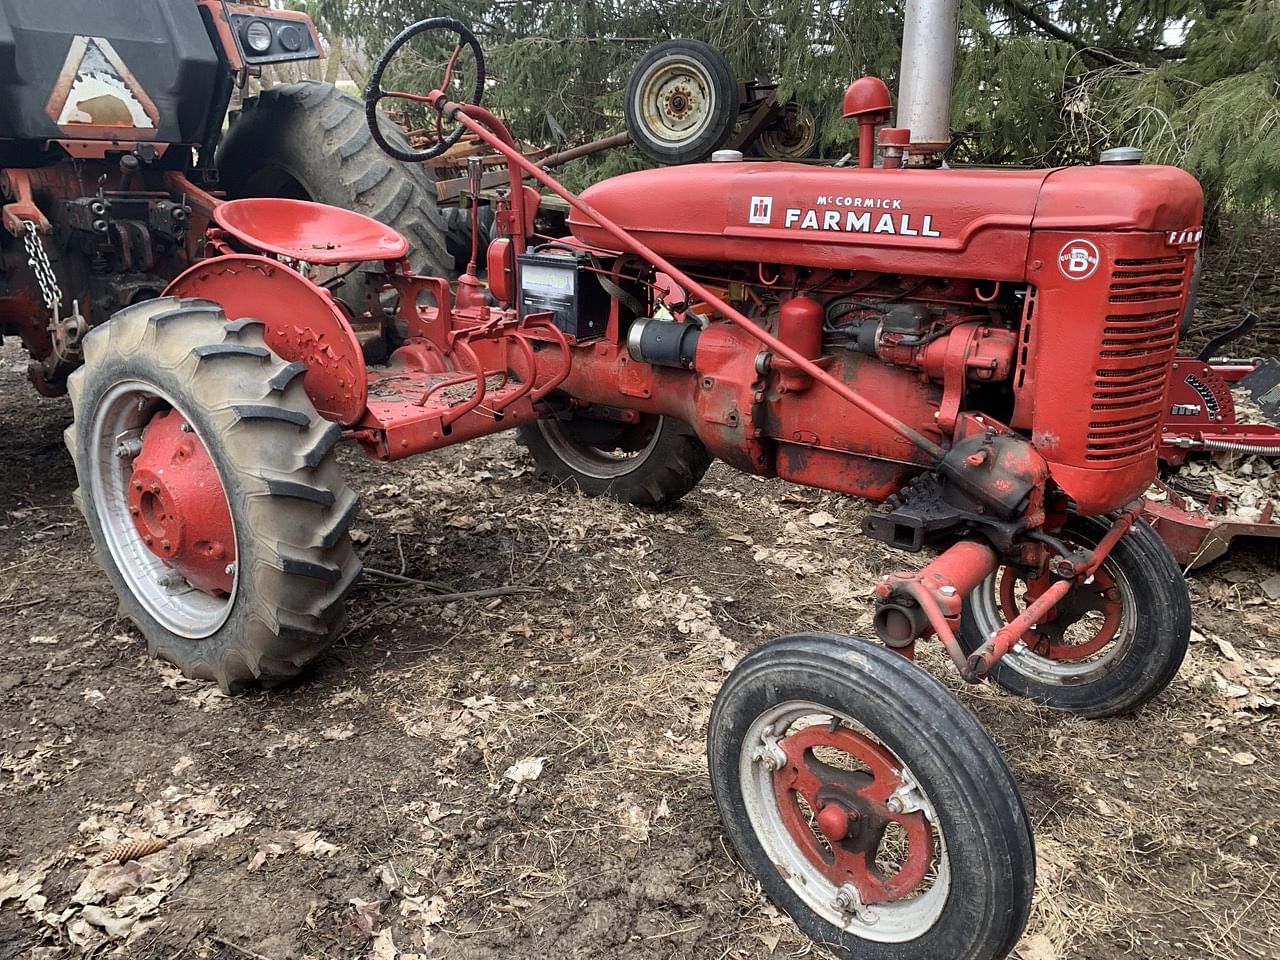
(1126, 155)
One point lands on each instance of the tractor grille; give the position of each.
(1138, 339)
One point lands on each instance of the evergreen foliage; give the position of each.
(1195, 82)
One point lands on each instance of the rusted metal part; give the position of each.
(914, 603)
(1048, 637)
(479, 121)
(302, 323)
(1201, 414)
(1079, 568)
(16, 183)
(1199, 536)
(490, 378)
(852, 809)
(448, 191)
(178, 504)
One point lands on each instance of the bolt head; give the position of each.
(894, 804)
(229, 569)
(164, 544)
(155, 488)
(947, 590)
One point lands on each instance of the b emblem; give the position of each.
(1078, 259)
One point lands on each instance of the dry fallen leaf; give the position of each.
(339, 733)
(526, 770)
(1245, 759)
(1038, 947)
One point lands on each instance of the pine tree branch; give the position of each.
(1034, 17)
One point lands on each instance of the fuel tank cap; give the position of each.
(726, 156)
(1121, 155)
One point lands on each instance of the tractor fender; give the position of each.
(303, 324)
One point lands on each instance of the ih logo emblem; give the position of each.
(761, 210)
(1078, 259)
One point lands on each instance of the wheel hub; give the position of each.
(178, 504)
(841, 826)
(1049, 638)
(679, 102)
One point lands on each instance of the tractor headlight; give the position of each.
(257, 36)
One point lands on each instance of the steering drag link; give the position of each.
(913, 604)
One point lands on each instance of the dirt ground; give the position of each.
(523, 775)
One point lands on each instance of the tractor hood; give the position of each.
(951, 222)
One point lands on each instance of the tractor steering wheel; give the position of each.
(374, 94)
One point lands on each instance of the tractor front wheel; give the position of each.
(211, 490)
(1110, 645)
(650, 463)
(869, 803)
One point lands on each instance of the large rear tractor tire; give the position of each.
(212, 492)
(310, 141)
(651, 463)
(871, 806)
(1110, 645)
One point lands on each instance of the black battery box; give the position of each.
(564, 285)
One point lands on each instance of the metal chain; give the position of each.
(38, 260)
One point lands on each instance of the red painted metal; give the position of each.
(985, 657)
(1199, 536)
(1048, 637)
(476, 118)
(302, 322)
(1200, 413)
(179, 506)
(310, 232)
(867, 100)
(851, 810)
(914, 602)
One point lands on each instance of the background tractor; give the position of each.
(111, 139)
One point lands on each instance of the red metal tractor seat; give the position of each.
(312, 232)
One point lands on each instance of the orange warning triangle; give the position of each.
(95, 90)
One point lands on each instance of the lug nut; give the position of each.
(894, 804)
(229, 569)
(155, 488)
(947, 590)
(164, 544)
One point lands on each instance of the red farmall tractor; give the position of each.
(983, 352)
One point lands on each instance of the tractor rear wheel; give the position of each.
(1110, 645)
(869, 803)
(794, 135)
(212, 492)
(310, 141)
(651, 463)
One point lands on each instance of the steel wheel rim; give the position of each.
(121, 414)
(592, 461)
(656, 99)
(985, 607)
(896, 921)
(773, 139)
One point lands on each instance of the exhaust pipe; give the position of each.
(924, 79)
